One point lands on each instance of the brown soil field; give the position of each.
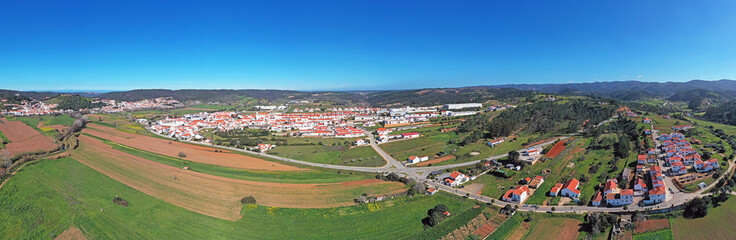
(557, 149)
(651, 225)
(24, 138)
(559, 228)
(476, 188)
(71, 233)
(436, 160)
(194, 152)
(213, 195)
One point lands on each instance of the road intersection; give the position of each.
(420, 174)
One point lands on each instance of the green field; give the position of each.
(658, 235)
(363, 156)
(422, 146)
(718, 224)
(3, 138)
(728, 129)
(43, 200)
(48, 120)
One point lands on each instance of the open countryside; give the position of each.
(353, 120)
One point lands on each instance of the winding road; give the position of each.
(420, 175)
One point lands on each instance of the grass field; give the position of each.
(658, 235)
(363, 156)
(718, 224)
(3, 138)
(43, 200)
(728, 129)
(561, 228)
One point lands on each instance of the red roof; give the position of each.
(455, 175)
(556, 188)
(598, 197)
(572, 186)
(610, 185)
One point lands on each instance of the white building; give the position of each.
(463, 105)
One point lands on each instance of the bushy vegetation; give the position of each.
(538, 118)
(75, 102)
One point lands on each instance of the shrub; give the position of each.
(248, 200)
(120, 201)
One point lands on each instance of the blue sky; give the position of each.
(348, 45)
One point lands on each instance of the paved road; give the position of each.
(419, 174)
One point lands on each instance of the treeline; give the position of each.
(539, 117)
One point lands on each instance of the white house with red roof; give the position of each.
(516, 195)
(410, 135)
(656, 195)
(610, 187)
(556, 189)
(265, 147)
(571, 189)
(625, 197)
(597, 199)
(678, 168)
(455, 179)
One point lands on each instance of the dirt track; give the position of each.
(24, 138)
(194, 153)
(213, 195)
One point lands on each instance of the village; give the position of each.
(652, 182)
(39, 108)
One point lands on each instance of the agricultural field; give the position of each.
(41, 201)
(658, 235)
(653, 229)
(193, 153)
(23, 138)
(718, 224)
(437, 143)
(422, 146)
(728, 129)
(542, 226)
(311, 176)
(560, 227)
(218, 196)
(363, 156)
(665, 125)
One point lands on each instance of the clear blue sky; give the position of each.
(307, 45)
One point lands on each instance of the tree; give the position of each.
(416, 188)
(554, 209)
(513, 156)
(698, 207)
(182, 155)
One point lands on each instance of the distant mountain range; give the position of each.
(692, 91)
(628, 89)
